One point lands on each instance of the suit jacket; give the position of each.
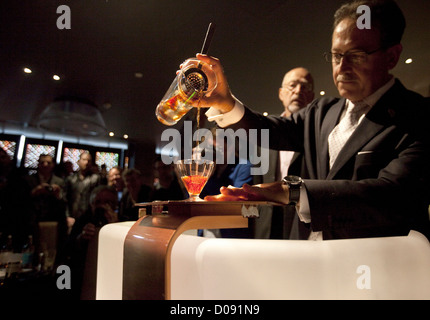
(379, 184)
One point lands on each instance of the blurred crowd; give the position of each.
(52, 216)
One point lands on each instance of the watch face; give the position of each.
(293, 179)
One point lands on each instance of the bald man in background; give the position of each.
(296, 92)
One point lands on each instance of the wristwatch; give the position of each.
(294, 183)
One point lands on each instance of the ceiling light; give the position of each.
(322, 92)
(107, 105)
(111, 134)
(125, 136)
(265, 114)
(55, 77)
(73, 116)
(138, 74)
(408, 61)
(27, 70)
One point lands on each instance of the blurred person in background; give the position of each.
(83, 240)
(79, 186)
(17, 217)
(115, 180)
(48, 198)
(136, 191)
(167, 186)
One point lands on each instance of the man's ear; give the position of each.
(393, 55)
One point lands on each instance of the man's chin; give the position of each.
(348, 91)
(294, 107)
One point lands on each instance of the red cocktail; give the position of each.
(194, 184)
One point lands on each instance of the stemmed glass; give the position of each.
(194, 174)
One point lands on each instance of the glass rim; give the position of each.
(189, 161)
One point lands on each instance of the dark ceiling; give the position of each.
(112, 40)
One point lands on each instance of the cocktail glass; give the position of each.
(194, 175)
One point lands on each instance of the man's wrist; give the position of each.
(228, 118)
(227, 106)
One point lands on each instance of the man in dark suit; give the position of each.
(378, 183)
(280, 222)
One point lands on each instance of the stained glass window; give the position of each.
(33, 152)
(9, 147)
(72, 155)
(110, 159)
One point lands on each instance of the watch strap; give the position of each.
(294, 193)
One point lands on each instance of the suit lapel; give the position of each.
(374, 121)
(364, 132)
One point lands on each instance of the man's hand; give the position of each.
(56, 189)
(88, 231)
(275, 192)
(221, 97)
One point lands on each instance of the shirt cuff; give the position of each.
(225, 119)
(304, 211)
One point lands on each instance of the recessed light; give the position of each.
(56, 77)
(107, 105)
(138, 74)
(265, 114)
(125, 136)
(111, 134)
(322, 92)
(408, 61)
(27, 70)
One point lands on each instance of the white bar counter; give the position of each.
(211, 268)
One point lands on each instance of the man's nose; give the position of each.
(297, 88)
(344, 64)
(300, 89)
